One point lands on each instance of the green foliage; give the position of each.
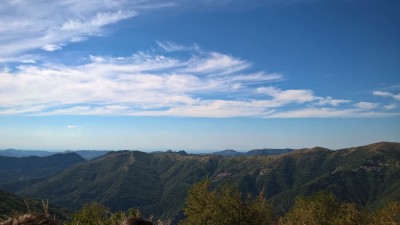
(97, 214)
(11, 205)
(321, 208)
(388, 215)
(90, 214)
(260, 211)
(224, 206)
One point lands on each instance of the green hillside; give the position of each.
(158, 183)
(14, 169)
(11, 204)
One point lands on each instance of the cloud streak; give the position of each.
(25, 26)
(386, 94)
(204, 84)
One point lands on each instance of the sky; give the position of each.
(198, 75)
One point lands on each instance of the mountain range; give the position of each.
(87, 154)
(265, 151)
(91, 154)
(157, 183)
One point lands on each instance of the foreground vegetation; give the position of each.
(225, 205)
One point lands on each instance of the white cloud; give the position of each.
(216, 64)
(366, 105)
(386, 94)
(28, 58)
(153, 84)
(71, 126)
(333, 102)
(382, 93)
(390, 106)
(287, 96)
(173, 47)
(51, 48)
(29, 61)
(25, 26)
(93, 25)
(329, 113)
(257, 77)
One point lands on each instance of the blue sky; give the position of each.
(198, 75)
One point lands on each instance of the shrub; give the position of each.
(224, 206)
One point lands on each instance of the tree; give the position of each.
(388, 215)
(321, 208)
(224, 206)
(91, 214)
(96, 214)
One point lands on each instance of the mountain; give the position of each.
(268, 151)
(90, 154)
(228, 152)
(87, 154)
(14, 169)
(11, 204)
(157, 183)
(265, 151)
(25, 153)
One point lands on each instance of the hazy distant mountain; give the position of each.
(157, 183)
(90, 154)
(13, 169)
(229, 152)
(265, 151)
(25, 153)
(87, 154)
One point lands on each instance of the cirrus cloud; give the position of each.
(204, 84)
(25, 26)
(386, 94)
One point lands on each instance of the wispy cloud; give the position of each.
(390, 106)
(330, 101)
(330, 113)
(71, 126)
(204, 84)
(173, 47)
(366, 105)
(25, 26)
(92, 25)
(386, 94)
(51, 48)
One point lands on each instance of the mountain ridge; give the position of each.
(13, 169)
(157, 183)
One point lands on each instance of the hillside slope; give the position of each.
(11, 204)
(14, 169)
(158, 183)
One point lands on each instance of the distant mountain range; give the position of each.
(265, 151)
(157, 183)
(87, 154)
(24, 153)
(91, 154)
